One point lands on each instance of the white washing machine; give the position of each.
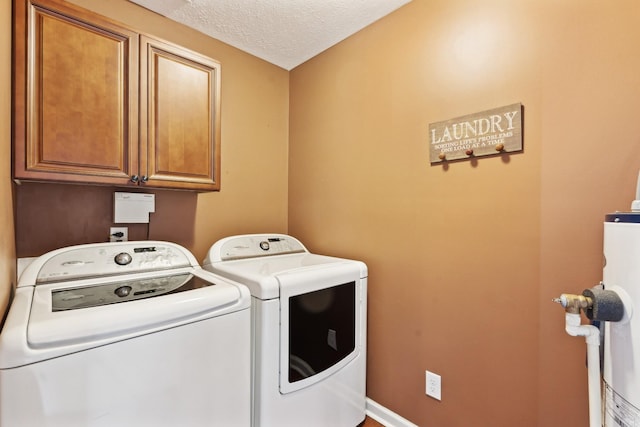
(308, 330)
(125, 334)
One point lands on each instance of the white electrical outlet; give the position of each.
(118, 234)
(434, 385)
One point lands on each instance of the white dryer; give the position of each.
(125, 334)
(309, 330)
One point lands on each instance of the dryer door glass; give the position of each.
(322, 330)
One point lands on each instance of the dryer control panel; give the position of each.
(253, 246)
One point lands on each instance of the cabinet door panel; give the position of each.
(180, 102)
(80, 95)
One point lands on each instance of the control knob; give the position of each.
(123, 291)
(123, 258)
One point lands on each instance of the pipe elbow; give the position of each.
(575, 329)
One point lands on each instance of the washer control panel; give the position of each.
(111, 259)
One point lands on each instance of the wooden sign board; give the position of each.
(481, 134)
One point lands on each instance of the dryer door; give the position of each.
(320, 312)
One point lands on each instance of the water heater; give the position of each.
(621, 274)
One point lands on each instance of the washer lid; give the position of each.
(134, 288)
(86, 312)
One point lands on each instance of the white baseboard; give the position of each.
(386, 417)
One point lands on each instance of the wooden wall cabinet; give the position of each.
(97, 102)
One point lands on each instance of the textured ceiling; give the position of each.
(283, 32)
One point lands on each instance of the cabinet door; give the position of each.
(75, 100)
(179, 117)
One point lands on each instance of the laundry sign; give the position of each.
(481, 134)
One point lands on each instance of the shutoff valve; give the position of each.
(597, 304)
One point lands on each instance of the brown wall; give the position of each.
(590, 163)
(464, 259)
(7, 241)
(254, 161)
